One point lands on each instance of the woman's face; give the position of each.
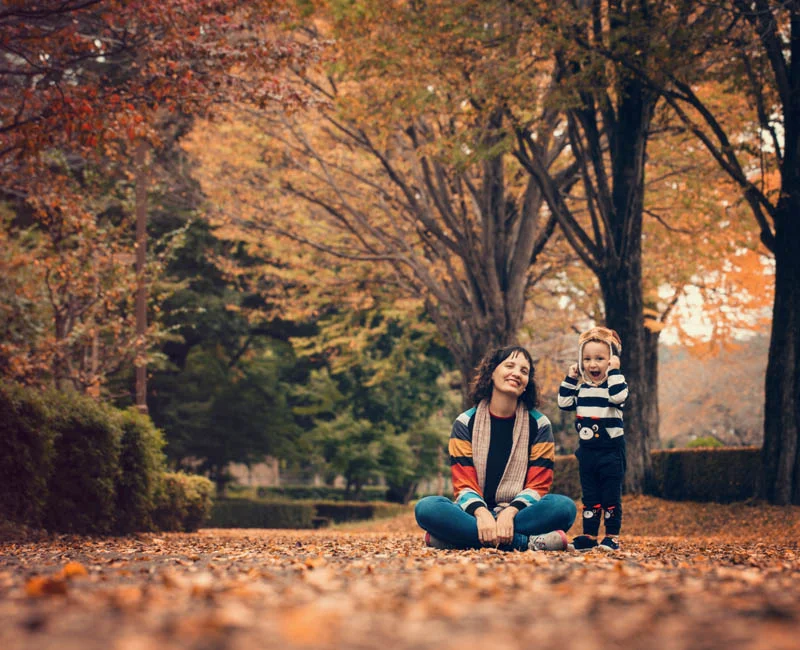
(512, 375)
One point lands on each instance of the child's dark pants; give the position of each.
(601, 471)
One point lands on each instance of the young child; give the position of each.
(596, 389)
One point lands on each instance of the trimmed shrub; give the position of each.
(319, 493)
(704, 441)
(343, 511)
(720, 475)
(566, 479)
(26, 454)
(82, 484)
(249, 513)
(141, 463)
(182, 502)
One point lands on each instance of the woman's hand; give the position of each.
(487, 527)
(505, 525)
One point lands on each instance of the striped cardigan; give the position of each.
(541, 459)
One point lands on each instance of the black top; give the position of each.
(500, 441)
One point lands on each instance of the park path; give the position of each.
(689, 576)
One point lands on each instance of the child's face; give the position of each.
(595, 361)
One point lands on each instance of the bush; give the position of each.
(320, 493)
(704, 441)
(82, 485)
(343, 511)
(26, 454)
(141, 464)
(566, 479)
(720, 475)
(182, 502)
(250, 513)
(258, 513)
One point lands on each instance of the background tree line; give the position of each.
(347, 198)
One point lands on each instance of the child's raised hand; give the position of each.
(613, 362)
(573, 371)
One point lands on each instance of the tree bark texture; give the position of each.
(650, 387)
(141, 285)
(780, 479)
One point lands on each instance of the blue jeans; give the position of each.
(446, 521)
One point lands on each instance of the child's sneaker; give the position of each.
(583, 543)
(609, 544)
(555, 540)
(435, 542)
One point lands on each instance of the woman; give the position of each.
(501, 455)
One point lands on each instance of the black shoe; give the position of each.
(583, 543)
(609, 544)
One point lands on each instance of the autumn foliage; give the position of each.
(84, 82)
(688, 576)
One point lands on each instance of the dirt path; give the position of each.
(727, 577)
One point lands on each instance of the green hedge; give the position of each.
(183, 502)
(260, 513)
(721, 475)
(81, 490)
(566, 479)
(71, 464)
(26, 454)
(141, 464)
(319, 493)
(344, 511)
(250, 513)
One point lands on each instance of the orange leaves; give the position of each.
(181, 57)
(40, 586)
(55, 585)
(688, 573)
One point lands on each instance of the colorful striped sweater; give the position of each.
(541, 459)
(598, 408)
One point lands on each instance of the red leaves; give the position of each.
(140, 55)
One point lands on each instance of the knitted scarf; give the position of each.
(513, 479)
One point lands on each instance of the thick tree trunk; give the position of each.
(651, 412)
(780, 479)
(621, 282)
(622, 295)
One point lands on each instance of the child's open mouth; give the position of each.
(595, 374)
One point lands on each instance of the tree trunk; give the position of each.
(401, 492)
(468, 357)
(141, 286)
(780, 478)
(622, 296)
(621, 281)
(651, 412)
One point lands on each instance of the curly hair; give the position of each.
(482, 385)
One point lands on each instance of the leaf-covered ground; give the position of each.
(688, 576)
